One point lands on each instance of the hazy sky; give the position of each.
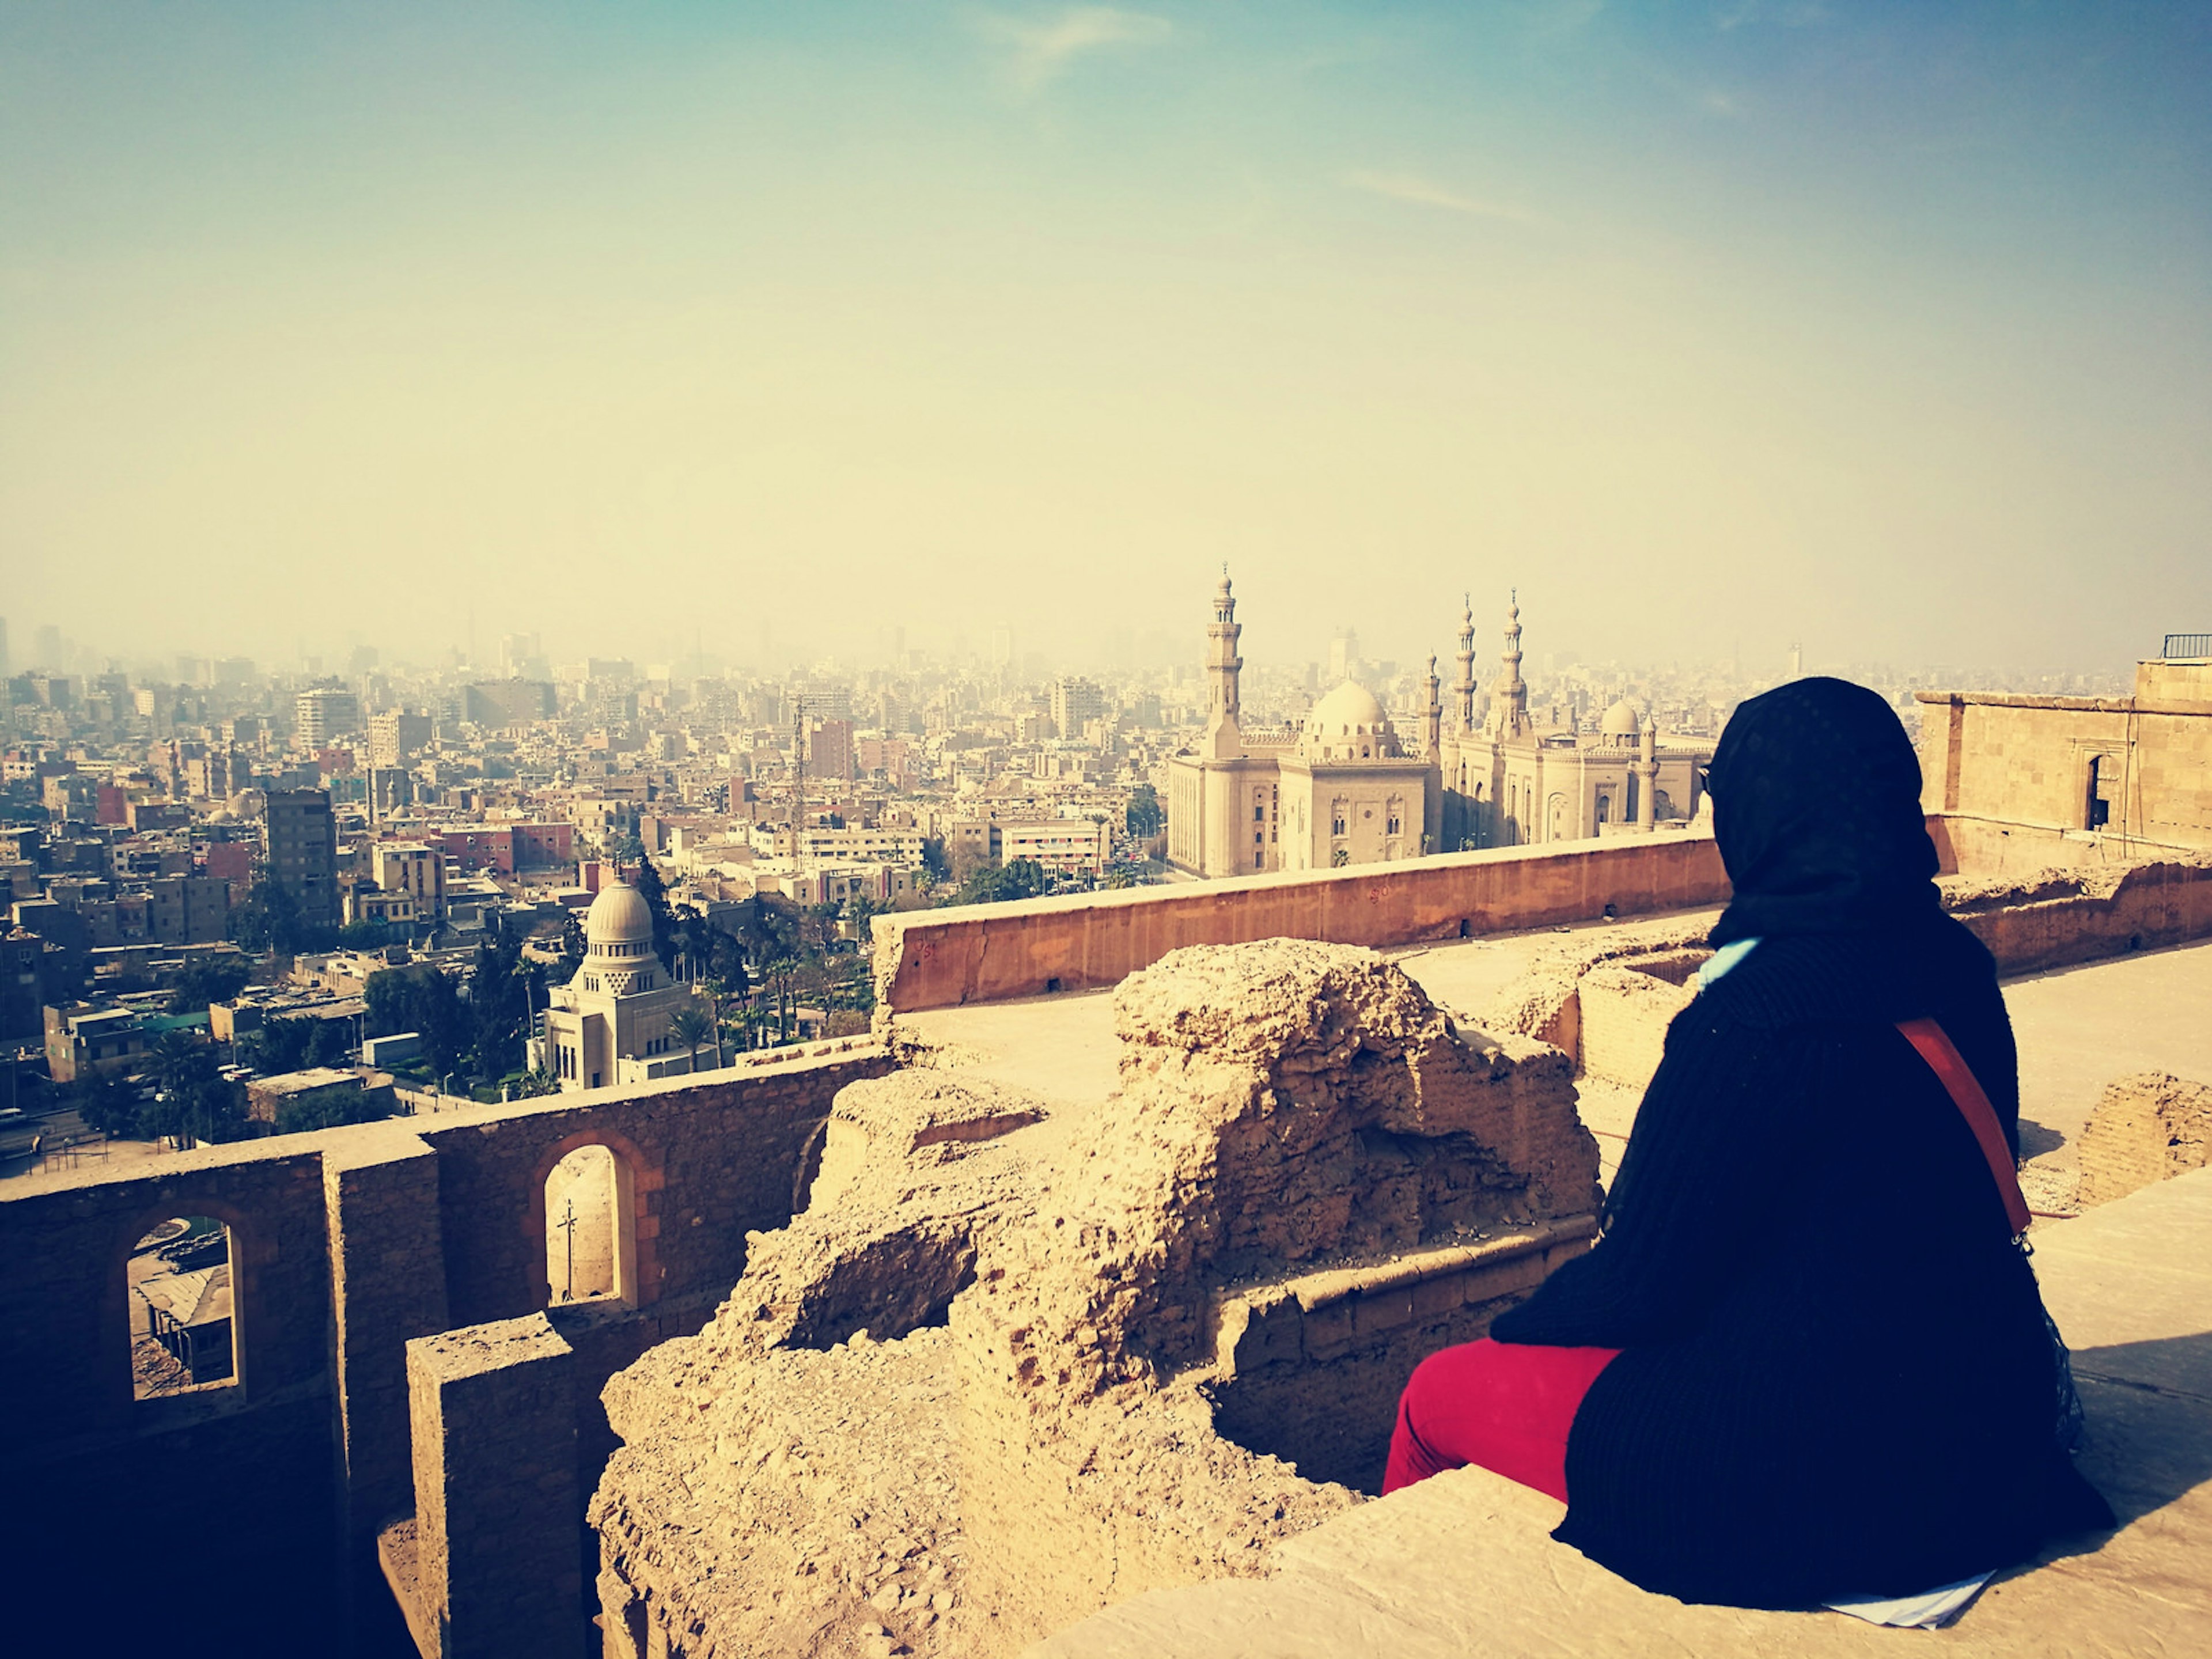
(1886, 326)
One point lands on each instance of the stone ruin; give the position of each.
(2147, 1126)
(1012, 1362)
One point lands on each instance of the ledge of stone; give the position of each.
(1461, 1566)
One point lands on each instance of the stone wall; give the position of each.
(1607, 998)
(985, 953)
(2026, 760)
(2146, 1128)
(347, 1244)
(1009, 1365)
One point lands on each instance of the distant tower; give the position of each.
(1223, 664)
(1435, 751)
(1797, 662)
(1647, 774)
(1465, 689)
(1509, 708)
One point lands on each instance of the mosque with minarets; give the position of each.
(1347, 788)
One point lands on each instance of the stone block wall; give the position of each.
(346, 1244)
(987, 952)
(495, 1569)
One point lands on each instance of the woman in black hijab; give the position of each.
(1834, 1375)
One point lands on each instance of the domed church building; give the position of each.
(610, 1024)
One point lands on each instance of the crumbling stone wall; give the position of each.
(347, 1243)
(2147, 1127)
(974, 1389)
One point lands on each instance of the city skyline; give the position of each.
(1713, 329)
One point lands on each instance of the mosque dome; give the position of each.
(619, 916)
(1350, 709)
(1348, 725)
(1621, 720)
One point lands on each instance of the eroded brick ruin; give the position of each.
(1006, 1366)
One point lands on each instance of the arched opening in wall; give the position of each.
(184, 1320)
(591, 1229)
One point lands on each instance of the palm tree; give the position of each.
(692, 1025)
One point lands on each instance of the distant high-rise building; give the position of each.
(610, 670)
(1075, 703)
(502, 703)
(830, 750)
(521, 656)
(1002, 647)
(6, 667)
(300, 839)
(395, 738)
(46, 647)
(1343, 656)
(325, 713)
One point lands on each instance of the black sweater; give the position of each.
(1836, 1378)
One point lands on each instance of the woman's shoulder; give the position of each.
(1826, 979)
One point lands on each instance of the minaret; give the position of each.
(1436, 749)
(1465, 689)
(1647, 770)
(1223, 740)
(1508, 710)
(1222, 662)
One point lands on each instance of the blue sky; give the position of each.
(1708, 326)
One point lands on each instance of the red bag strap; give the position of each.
(1936, 1047)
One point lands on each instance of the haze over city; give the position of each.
(759, 331)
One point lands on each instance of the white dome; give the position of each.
(1347, 711)
(618, 916)
(1621, 720)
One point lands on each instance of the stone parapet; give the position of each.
(987, 952)
(495, 1568)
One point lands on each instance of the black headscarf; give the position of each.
(1816, 806)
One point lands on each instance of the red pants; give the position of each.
(1505, 1406)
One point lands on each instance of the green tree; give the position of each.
(191, 1100)
(206, 982)
(370, 933)
(324, 1112)
(109, 1104)
(419, 999)
(573, 942)
(994, 884)
(654, 892)
(693, 1026)
(1144, 817)
(270, 919)
(281, 1045)
(933, 859)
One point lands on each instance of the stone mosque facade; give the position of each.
(1345, 788)
(613, 1022)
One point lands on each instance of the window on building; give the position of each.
(184, 1326)
(1336, 818)
(1604, 807)
(590, 1229)
(1391, 821)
